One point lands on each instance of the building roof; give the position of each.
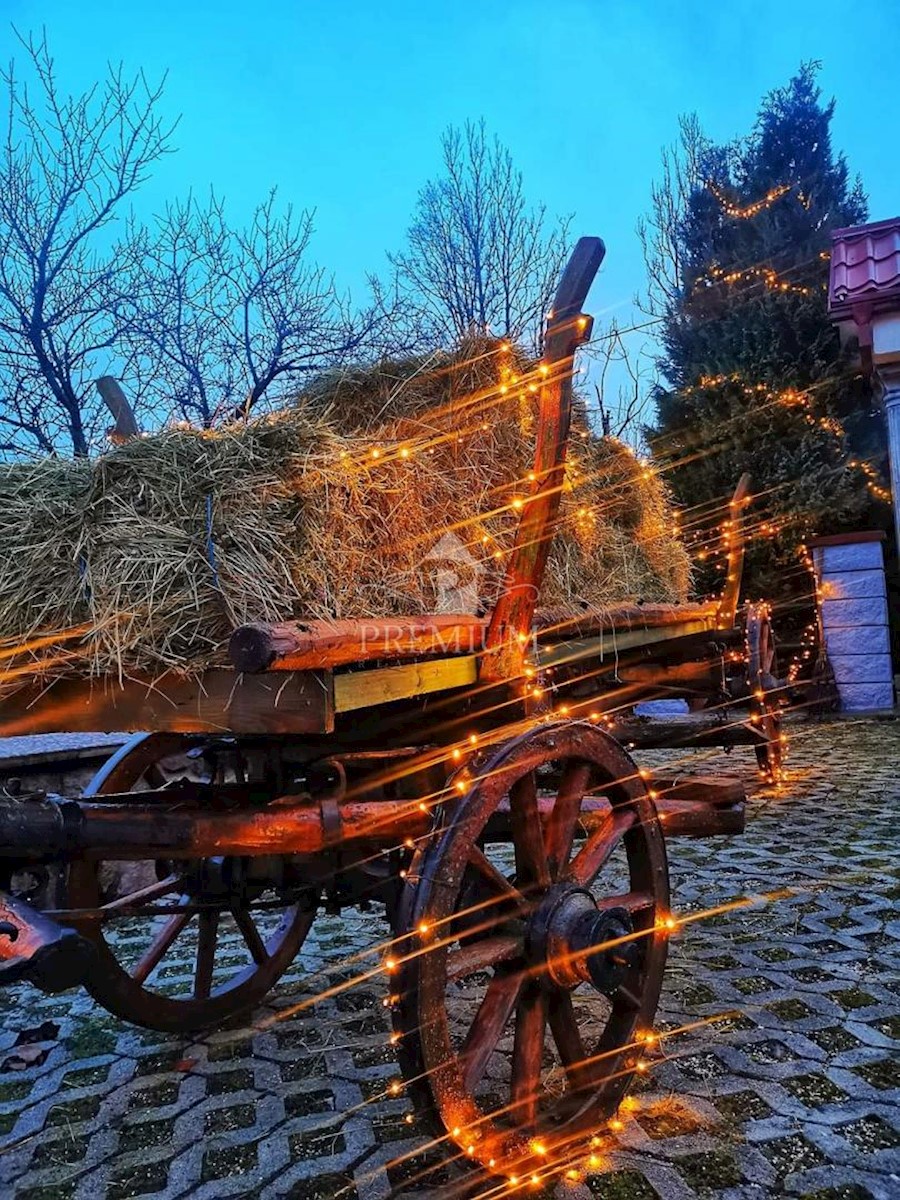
(865, 272)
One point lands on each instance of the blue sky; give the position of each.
(341, 105)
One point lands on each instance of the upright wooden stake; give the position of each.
(732, 590)
(567, 328)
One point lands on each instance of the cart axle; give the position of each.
(172, 824)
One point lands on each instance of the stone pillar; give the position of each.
(854, 611)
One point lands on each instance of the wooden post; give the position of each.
(567, 328)
(114, 398)
(731, 592)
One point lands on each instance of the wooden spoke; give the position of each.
(486, 1029)
(160, 944)
(478, 956)
(560, 830)
(151, 892)
(595, 852)
(528, 1053)
(528, 836)
(564, 1027)
(496, 880)
(250, 934)
(206, 953)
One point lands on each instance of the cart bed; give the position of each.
(299, 696)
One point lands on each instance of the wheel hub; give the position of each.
(575, 941)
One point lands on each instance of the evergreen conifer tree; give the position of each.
(757, 378)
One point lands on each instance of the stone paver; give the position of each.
(788, 1083)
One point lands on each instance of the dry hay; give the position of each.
(145, 558)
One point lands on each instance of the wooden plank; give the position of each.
(218, 701)
(366, 689)
(605, 646)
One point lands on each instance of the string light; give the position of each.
(765, 275)
(746, 211)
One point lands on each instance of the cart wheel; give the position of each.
(525, 986)
(762, 672)
(236, 955)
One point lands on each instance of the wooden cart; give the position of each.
(470, 774)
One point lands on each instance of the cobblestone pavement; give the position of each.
(796, 1094)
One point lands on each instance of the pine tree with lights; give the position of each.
(757, 379)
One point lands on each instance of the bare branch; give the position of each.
(67, 165)
(477, 256)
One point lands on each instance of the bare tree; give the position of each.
(478, 257)
(624, 378)
(67, 164)
(224, 317)
(660, 231)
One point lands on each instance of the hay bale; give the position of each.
(145, 558)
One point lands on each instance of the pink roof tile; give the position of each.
(865, 270)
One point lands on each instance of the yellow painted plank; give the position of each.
(365, 689)
(607, 645)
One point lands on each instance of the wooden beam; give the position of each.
(554, 624)
(731, 592)
(605, 646)
(567, 329)
(653, 734)
(717, 790)
(684, 818)
(218, 701)
(311, 645)
(129, 826)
